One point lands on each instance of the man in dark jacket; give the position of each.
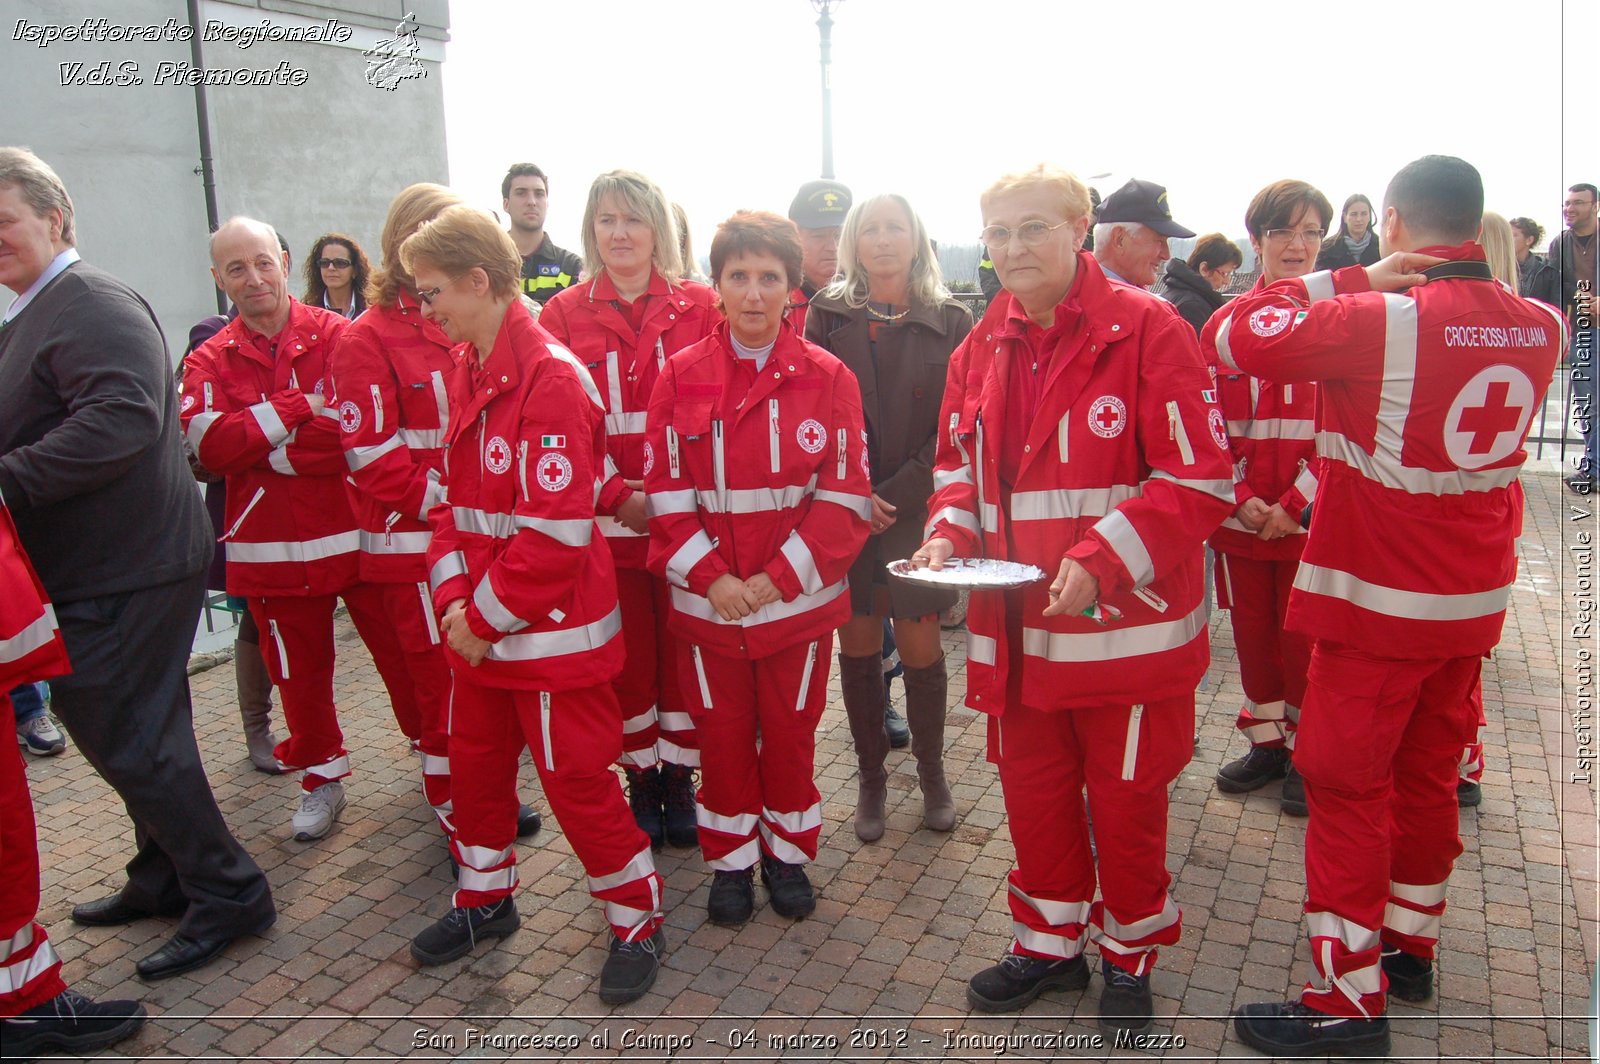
(92, 470)
(1573, 252)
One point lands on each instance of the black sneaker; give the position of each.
(732, 900)
(71, 1022)
(1125, 1003)
(1255, 769)
(1293, 801)
(1410, 977)
(631, 969)
(461, 929)
(679, 806)
(1017, 980)
(644, 798)
(1291, 1029)
(528, 822)
(1468, 794)
(789, 887)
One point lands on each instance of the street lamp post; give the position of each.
(824, 27)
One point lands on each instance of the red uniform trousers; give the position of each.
(1471, 767)
(656, 725)
(409, 610)
(297, 645)
(30, 971)
(1379, 742)
(575, 738)
(1272, 660)
(1127, 756)
(749, 787)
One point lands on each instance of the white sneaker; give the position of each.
(318, 810)
(41, 737)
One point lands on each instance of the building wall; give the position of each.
(327, 154)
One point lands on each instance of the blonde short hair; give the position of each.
(1071, 194)
(415, 205)
(642, 197)
(461, 239)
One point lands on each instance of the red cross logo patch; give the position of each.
(1487, 421)
(497, 455)
(812, 436)
(1108, 416)
(188, 401)
(349, 416)
(554, 471)
(649, 458)
(1270, 321)
(1218, 427)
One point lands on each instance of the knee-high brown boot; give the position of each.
(255, 706)
(926, 691)
(861, 680)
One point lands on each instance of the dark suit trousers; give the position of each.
(127, 707)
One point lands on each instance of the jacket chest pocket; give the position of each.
(424, 403)
(695, 445)
(1238, 396)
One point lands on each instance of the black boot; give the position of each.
(1255, 769)
(1410, 977)
(1293, 801)
(789, 888)
(645, 795)
(460, 929)
(1295, 1030)
(732, 899)
(1018, 979)
(631, 968)
(1125, 1003)
(679, 805)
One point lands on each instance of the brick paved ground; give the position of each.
(900, 926)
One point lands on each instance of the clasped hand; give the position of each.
(734, 599)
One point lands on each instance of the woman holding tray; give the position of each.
(892, 321)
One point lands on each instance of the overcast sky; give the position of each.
(718, 101)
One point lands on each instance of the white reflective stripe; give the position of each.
(580, 369)
(1389, 472)
(1306, 483)
(1273, 428)
(686, 557)
(421, 439)
(294, 550)
(395, 542)
(535, 646)
(480, 523)
(572, 532)
(15, 976)
(1267, 711)
(544, 731)
(956, 516)
(435, 764)
(640, 721)
(1424, 894)
(1399, 374)
(736, 824)
(782, 848)
(661, 503)
(798, 555)
(794, 823)
(361, 457)
(446, 568)
(805, 678)
(860, 505)
(334, 769)
(1130, 745)
(1393, 602)
(1123, 538)
(626, 424)
(944, 478)
(646, 758)
(17, 942)
(1224, 354)
(481, 857)
(1063, 503)
(502, 879)
(700, 674)
(432, 495)
(198, 426)
(1268, 731)
(981, 648)
(1217, 489)
(737, 861)
(35, 635)
(278, 459)
(1061, 434)
(1319, 285)
(619, 915)
(673, 754)
(1055, 913)
(755, 500)
(1410, 921)
(639, 866)
(612, 529)
(1043, 942)
(1330, 925)
(695, 606)
(676, 722)
(441, 402)
(990, 514)
(493, 610)
(271, 425)
(1127, 934)
(1113, 644)
(1180, 434)
(613, 387)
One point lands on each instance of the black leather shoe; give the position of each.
(1293, 1030)
(732, 899)
(1255, 769)
(1293, 800)
(112, 912)
(1468, 794)
(180, 954)
(528, 822)
(678, 806)
(459, 930)
(1125, 1003)
(631, 968)
(1018, 979)
(789, 888)
(1410, 977)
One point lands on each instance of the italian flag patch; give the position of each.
(552, 441)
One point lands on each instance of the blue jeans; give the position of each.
(28, 701)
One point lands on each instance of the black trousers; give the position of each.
(126, 705)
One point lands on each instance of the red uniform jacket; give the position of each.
(1270, 431)
(388, 377)
(30, 643)
(1123, 467)
(1426, 399)
(290, 529)
(515, 536)
(625, 364)
(752, 472)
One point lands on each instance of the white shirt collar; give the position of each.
(51, 272)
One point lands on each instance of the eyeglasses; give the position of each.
(1289, 236)
(431, 294)
(338, 264)
(1032, 234)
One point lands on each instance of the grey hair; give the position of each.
(641, 196)
(39, 185)
(240, 221)
(1103, 231)
(925, 287)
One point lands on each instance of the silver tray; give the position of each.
(981, 574)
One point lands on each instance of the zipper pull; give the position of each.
(388, 529)
(1172, 421)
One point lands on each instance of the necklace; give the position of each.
(881, 316)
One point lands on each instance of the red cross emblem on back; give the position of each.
(1486, 421)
